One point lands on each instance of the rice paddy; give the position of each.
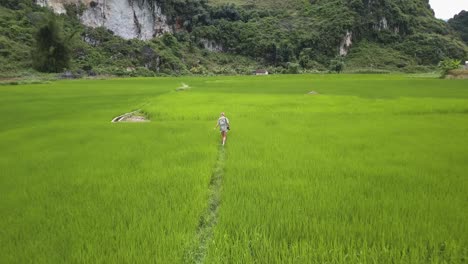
(317, 169)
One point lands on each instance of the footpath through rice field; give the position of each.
(209, 219)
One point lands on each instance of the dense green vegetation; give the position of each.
(448, 65)
(51, 53)
(263, 4)
(105, 53)
(314, 31)
(460, 24)
(370, 169)
(282, 36)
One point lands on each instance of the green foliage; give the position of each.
(75, 10)
(308, 57)
(460, 24)
(263, 4)
(337, 64)
(314, 34)
(258, 34)
(12, 55)
(17, 4)
(374, 56)
(447, 65)
(51, 52)
(432, 48)
(293, 68)
(16, 29)
(182, 11)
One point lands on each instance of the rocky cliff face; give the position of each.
(346, 43)
(126, 18)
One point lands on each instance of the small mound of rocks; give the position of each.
(184, 87)
(134, 117)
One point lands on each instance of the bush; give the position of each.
(337, 65)
(293, 68)
(199, 70)
(418, 69)
(447, 65)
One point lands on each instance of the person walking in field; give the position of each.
(223, 124)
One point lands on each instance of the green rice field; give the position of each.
(365, 169)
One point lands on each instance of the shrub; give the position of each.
(447, 65)
(143, 72)
(198, 70)
(337, 65)
(293, 68)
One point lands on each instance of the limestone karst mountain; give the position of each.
(135, 37)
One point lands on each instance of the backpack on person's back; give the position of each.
(224, 122)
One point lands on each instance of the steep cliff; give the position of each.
(126, 18)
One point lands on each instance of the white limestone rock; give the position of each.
(346, 43)
(126, 18)
(212, 45)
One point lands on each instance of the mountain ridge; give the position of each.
(234, 37)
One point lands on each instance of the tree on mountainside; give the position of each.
(460, 24)
(51, 52)
(16, 4)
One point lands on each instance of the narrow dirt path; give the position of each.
(208, 220)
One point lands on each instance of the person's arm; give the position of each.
(217, 124)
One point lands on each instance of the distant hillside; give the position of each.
(271, 4)
(173, 37)
(322, 29)
(460, 24)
